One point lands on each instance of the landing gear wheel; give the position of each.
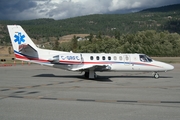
(90, 75)
(156, 75)
(86, 74)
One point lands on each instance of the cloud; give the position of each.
(11, 9)
(61, 9)
(74, 8)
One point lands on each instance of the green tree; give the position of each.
(74, 43)
(56, 45)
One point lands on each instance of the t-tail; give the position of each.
(23, 46)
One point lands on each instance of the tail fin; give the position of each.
(23, 46)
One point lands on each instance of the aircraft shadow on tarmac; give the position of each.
(99, 78)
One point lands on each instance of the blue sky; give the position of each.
(61, 9)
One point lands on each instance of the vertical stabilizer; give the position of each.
(22, 44)
(19, 37)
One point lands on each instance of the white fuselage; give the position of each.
(113, 62)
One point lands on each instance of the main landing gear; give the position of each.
(156, 75)
(90, 74)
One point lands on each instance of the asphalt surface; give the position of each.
(34, 92)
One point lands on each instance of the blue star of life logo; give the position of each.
(19, 38)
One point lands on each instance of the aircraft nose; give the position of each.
(169, 67)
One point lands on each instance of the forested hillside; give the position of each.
(149, 42)
(152, 31)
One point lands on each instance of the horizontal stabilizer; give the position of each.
(26, 48)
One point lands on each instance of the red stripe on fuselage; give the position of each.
(29, 58)
(145, 64)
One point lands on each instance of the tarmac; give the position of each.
(35, 92)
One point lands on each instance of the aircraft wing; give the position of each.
(94, 67)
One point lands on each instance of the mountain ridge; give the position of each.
(105, 24)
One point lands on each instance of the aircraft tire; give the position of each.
(86, 74)
(156, 75)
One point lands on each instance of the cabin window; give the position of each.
(97, 58)
(91, 57)
(120, 58)
(109, 58)
(103, 57)
(115, 58)
(127, 58)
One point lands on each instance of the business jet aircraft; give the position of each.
(26, 50)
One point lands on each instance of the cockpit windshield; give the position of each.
(145, 58)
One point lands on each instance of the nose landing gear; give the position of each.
(156, 75)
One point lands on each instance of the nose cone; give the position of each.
(168, 67)
(163, 66)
